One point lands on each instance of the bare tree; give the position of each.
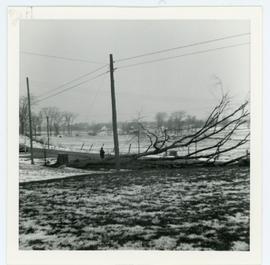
(176, 121)
(219, 128)
(69, 118)
(36, 123)
(47, 112)
(55, 119)
(190, 122)
(23, 114)
(161, 119)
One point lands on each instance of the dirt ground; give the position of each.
(179, 209)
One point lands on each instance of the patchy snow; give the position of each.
(165, 209)
(185, 247)
(36, 172)
(26, 141)
(240, 246)
(165, 243)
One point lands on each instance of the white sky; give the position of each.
(184, 83)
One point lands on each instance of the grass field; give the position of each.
(183, 209)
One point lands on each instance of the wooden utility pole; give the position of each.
(139, 132)
(114, 117)
(139, 137)
(48, 132)
(30, 122)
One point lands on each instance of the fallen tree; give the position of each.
(220, 128)
(215, 137)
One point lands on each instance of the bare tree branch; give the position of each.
(219, 127)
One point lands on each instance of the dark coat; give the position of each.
(102, 153)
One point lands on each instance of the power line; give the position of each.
(96, 93)
(182, 55)
(95, 96)
(68, 88)
(73, 80)
(60, 57)
(182, 46)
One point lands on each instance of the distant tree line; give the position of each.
(177, 121)
(174, 122)
(63, 122)
(58, 121)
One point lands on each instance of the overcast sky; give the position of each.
(184, 83)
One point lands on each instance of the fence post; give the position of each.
(90, 147)
(82, 146)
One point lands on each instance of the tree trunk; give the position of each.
(21, 129)
(69, 132)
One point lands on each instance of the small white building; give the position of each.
(104, 131)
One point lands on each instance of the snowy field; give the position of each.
(37, 172)
(183, 209)
(92, 144)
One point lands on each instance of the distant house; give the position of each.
(104, 131)
(120, 131)
(133, 130)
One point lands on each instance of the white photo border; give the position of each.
(252, 257)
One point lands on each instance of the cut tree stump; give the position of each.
(62, 159)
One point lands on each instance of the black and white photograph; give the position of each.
(134, 136)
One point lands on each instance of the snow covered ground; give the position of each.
(180, 209)
(91, 144)
(38, 171)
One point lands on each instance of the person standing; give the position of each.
(102, 153)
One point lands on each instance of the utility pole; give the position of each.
(114, 117)
(139, 132)
(48, 132)
(30, 122)
(139, 137)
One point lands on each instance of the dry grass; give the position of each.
(183, 209)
